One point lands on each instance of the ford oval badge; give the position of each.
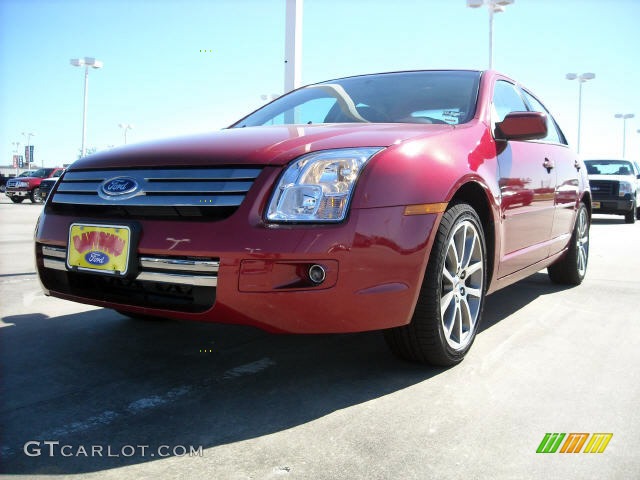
(96, 258)
(119, 187)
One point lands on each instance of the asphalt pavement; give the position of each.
(87, 391)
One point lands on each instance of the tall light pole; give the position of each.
(624, 117)
(125, 127)
(494, 6)
(582, 78)
(28, 151)
(86, 62)
(292, 45)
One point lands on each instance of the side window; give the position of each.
(553, 134)
(506, 99)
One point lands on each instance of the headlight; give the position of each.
(317, 187)
(625, 188)
(22, 185)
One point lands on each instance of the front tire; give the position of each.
(572, 268)
(449, 307)
(630, 217)
(34, 196)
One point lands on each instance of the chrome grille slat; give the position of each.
(170, 187)
(180, 264)
(194, 272)
(56, 252)
(167, 174)
(191, 200)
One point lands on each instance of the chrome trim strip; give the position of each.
(167, 174)
(57, 252)
(198, 281)
(54, 264)
(179, 264)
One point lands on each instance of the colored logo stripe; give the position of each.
(598, 442)
(550, 443)
(574, 443)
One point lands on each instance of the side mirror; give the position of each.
(522, 126)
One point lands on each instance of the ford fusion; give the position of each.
(392, 202)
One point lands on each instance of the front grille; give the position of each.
(184, 284)
(12, 183)
(162, 193)
(604, 188)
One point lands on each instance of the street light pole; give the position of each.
(86, 62)
(624, 117)
(125, 127)
(28, 151)
(494, 6)
(293, 45)
(582, 78)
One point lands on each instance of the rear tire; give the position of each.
(449, 307)
(572, 268)
(17, 199)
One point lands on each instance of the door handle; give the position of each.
(547, 164)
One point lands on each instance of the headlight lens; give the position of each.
(317, 187)
(22, 185)
(625, 188)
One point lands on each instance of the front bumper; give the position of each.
(612, 206)
(374, 264)
(17, 193)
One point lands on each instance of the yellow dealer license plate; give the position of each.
(99, 248)
(595, 204)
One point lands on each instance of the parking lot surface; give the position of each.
(88, 391)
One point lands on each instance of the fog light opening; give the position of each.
(317, 274)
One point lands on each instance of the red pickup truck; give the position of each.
(20, 188)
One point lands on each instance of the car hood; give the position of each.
(270, 145)
(614, 178)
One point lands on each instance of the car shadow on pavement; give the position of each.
(506, 301)
(100, 380)
(615, 220)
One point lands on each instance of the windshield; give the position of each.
(40, 173)
(609, 167)
(441, 97)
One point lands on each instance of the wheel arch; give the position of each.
(475, 195)
(586, 199)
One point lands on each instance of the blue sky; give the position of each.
(156, 77)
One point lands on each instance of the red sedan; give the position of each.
(393, 202)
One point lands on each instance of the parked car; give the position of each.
(615, 186)
(375, 202)
(3, 182)
(46, 185)
(27, 186)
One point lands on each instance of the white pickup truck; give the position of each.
(615, 186)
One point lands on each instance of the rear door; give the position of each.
(565, 164)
